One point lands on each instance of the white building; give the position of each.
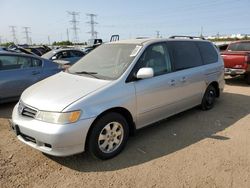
(239, 36)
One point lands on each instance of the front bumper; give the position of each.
(53, 139)
(234, 72)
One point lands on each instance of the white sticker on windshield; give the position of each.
(135, 51)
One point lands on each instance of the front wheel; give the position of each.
(108, 136)
(208, 98)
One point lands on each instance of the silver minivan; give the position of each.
(114, 90)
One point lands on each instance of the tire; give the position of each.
(108, 136)
(248, 78)
(208, 98)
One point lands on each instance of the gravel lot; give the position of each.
(191, 149)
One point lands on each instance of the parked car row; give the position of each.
(33, 50)
(116, 89)
(18, 71)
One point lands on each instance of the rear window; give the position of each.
(77, 54)
(241, 46)
(208, 52)
(185, 54)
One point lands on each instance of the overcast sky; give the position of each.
(128, 18)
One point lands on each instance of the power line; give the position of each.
(13, 31)
(92, 24)
(74, 23)
(27, 37)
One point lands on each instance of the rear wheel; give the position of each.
(108, 136)
(208, 98)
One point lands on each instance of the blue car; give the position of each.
(19, 71)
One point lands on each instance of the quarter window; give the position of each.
(208, 52)
(185, 54)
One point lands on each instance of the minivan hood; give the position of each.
(58, 91)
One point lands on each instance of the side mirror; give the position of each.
(54, 58)
(146, 72)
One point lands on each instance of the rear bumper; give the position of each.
(234, 72)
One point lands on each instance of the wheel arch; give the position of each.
(120, 110)
(215, 84)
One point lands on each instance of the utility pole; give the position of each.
(49, 40)
(13, 31)
(0, 39)
(157, 34)
(67, 34)
(26, 32)
(74, 23)
(201, 31)
(218, 35)
(92, 24)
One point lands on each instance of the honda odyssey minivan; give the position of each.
(117, 88)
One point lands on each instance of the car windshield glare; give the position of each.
(108, 61)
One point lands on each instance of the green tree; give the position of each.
(62, 43)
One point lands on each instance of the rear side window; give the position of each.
(24, 62)
(185, 54)
(36, 62)
(208, 52)
(240, 46)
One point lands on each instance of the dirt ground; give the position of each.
(192, 149)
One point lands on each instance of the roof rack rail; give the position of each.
(114, 38)
(183, 36)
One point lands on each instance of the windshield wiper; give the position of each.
(88, 73)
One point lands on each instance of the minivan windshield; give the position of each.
(108, 61)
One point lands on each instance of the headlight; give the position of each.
(58, 117)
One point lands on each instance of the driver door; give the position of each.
(156, 96)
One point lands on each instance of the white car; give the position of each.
(116, 89)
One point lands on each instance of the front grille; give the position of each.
(29, 112)
(26, 111)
